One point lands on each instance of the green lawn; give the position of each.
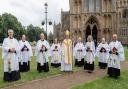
(126, 53)
(31, 75)
(106, 82)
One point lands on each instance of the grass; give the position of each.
(31, 75)
(126, 52)
(106, 82)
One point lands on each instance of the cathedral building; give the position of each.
(99, 18)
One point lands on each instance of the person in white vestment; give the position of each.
(90, 55)
(55, 54)
(116, 56)
(10, 53)
(79, 53)
(67, 53)
(25, 54)
(42, 53)
(103, 54)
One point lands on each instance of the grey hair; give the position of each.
(42, 34)
(90, 36)
(103, 38)
(10, 30)
(114, 35)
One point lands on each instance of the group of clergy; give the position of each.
(17, 55)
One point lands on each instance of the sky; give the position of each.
(32, 11)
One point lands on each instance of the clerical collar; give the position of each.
(10, 37)
(55, 43)
(115, 41)
(67, 38)
(23, 41)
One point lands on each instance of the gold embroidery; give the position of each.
(67, 43)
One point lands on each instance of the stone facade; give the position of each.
(122, 11)
(60, 28)
(99, 18)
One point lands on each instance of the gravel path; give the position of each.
(64, 81)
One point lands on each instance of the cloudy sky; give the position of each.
(32, 11)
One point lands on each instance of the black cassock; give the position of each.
(44, 67)
(24, 66)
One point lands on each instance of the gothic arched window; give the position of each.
(98, 5)
(125, 13)
(86, 5)
(91, 5)
(114, 5)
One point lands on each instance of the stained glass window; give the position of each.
(86, 5)
(98, 5)
(91, 5)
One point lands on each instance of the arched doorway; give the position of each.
(88, 32)
(92, 29)
(95, 34)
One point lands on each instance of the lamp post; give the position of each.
(46, 19)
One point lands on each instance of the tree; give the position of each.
(8, 21)
(34, 32)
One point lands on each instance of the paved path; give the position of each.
(65, 81)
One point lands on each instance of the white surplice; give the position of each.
(67, 53)
(42, 57)
(10, 59)
(90, 56)
(114, 60)
(103, 57)
(79, 54)
(55, 55)
(25, 56)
